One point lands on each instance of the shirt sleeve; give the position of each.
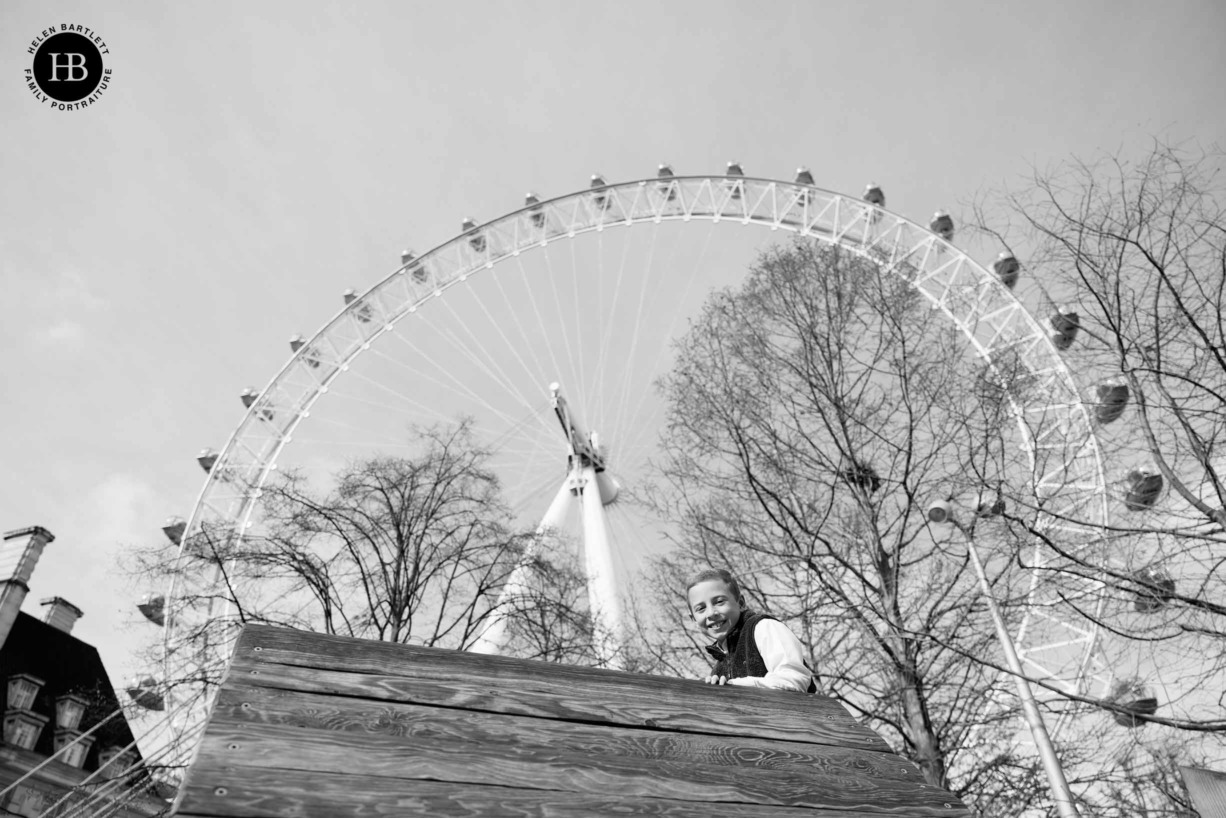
(784, 658)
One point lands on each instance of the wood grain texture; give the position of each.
(238, 792)
(527, 736)
(277, 658)
(604, 766)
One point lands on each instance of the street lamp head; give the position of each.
(940, 512)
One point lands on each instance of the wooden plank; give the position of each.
(607, 762)
(238, 705)
(515, 686)
(238, 792)
(1207, 789)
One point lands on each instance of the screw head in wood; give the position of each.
(221, 791)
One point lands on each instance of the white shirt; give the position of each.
(783, 656)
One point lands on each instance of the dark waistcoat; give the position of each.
(742, 657)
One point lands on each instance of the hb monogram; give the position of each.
(71, 65)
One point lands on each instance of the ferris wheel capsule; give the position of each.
(249, 396)
(990, 505)
(1112, 401)
(1144, 488)
(412, 266)
(1007, 268)
(537, 213)
(144, 692)
(805, 177)
(476, 240)
(207, 458)
(942, 224)
(153, 608)
(665, 187)
(297, 342)
(174, 528)
(1136, 701)
(874, 195)
(735, 170)
(1157, 589)
(1065, 325)
(600, 197)
(363, 314)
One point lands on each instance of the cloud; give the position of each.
(64, 331)
(73, 289)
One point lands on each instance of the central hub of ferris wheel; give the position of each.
(583, 449)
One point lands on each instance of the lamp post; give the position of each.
(943, 513)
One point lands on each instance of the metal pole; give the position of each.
(1038, 730)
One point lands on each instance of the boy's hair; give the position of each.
(715, 573)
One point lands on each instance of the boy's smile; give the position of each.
(714, 608)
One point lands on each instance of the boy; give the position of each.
(751, 650)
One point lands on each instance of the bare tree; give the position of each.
(403, 549)
(1127, 260)
(1135, 255)
(813, 414)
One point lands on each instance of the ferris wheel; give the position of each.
(547, 327)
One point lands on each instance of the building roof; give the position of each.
(66, 665)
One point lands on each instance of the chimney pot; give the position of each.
(61, 613)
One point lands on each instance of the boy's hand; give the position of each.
(717, 680)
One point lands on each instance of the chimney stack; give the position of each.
(19, 554)
(61, 613)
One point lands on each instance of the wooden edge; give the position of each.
(236, 792)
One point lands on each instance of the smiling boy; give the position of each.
(751, 650)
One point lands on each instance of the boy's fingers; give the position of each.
(723, 680)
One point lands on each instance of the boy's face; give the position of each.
(714, 608)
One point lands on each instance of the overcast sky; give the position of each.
(249, 161)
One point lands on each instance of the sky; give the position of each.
(249, 161)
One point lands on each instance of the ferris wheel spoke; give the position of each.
(560, 318)
(453, 384)
(496, 373)
(606, 330)
(540, 322)
(624, 386)
(540, 374)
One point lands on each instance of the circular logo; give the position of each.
(67, 72)
(68, 67)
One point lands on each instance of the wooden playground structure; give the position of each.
(314, 725)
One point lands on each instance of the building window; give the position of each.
(25, 800)
(68, 711)
(23, 688)
(24, 735)
(74, 756)
(22, 728)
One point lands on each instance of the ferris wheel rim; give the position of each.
(839, 222)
